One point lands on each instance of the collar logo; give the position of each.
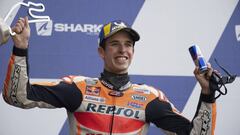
(107, 84)
(115, 93)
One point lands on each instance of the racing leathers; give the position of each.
(110, 104)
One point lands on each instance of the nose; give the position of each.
(122, 48)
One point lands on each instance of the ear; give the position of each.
(101, 52)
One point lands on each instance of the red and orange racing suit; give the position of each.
(95, 108)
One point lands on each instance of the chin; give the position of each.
(121, 68)
(122, 71)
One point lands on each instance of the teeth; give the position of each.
(121, 58)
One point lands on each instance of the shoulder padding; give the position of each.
(157, 92)
(70, 79)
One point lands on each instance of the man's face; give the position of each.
(118, 52)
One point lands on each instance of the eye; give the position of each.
(114, 44)
(129, 44)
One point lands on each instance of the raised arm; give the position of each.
(20, 93)
(165, 116)
(22, 30)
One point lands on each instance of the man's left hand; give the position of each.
(203, 78)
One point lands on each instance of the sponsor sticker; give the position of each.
(94, 99)
(135, 105)
(118, 25)
(139, 98)
(119, 111)
(143, 91)
(110, 86)
(115, 93)
(91, 90)
(91, 82)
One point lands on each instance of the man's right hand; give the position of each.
(22, 30)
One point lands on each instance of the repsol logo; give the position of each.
(120, 111)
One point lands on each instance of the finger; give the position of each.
(196, 71)
(209, 65)
(209, 73)
(26, 22)
(20, 18)
(17, 28)
(21, 22)
(14, 29)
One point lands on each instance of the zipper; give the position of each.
(112, 120)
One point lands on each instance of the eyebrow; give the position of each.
(113, 41)
(116, 41)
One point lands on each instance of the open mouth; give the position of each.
(121, 59)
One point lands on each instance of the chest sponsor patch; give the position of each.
(116, 110)
(142, 91)
(139, 98)
(91, 82)
(135, 104)
(91, 90)
(94, 99)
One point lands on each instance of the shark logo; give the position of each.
(237, 31)
(44, 28)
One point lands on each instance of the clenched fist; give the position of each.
(22, 31)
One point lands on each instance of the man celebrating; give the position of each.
(110, 104)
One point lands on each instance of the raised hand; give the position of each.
(22, 30)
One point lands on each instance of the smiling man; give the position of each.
(110, 104)
(117, 52)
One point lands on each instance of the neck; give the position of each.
(111, 74)
(118, 81)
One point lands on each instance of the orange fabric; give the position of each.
(214, 115)
(128, 109)
(8, 76)
(78, 128)
(110, 100)
(99, 122)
